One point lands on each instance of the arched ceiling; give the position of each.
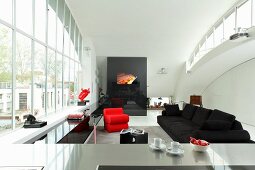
(165, 31)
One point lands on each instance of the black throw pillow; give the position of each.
(220, 115)
(237, 125)
(172, 110)
(189, 111)
(216, 125)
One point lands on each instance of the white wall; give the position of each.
(102, 72)
(234, 93)
(226, 82)
(89, 73)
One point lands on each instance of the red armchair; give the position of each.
(115, 119)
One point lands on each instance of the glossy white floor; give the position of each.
(149, 120)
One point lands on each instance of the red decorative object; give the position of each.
(76, 116)
(84, 93)
(115, 120)
(198, 142)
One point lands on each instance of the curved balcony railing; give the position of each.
(239, 18)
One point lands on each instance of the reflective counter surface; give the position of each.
(89, 156)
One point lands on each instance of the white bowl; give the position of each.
(199, 148)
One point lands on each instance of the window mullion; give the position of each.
(32, 58)
(46, 59)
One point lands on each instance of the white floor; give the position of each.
(149, 120)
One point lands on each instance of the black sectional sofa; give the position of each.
(213, 126)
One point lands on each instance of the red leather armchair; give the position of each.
(115, 119)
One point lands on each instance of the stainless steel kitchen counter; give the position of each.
(88, 156)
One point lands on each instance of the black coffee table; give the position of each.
(132, 138)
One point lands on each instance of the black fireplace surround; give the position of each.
(214, 126)
(131, 97)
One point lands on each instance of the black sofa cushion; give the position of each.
(172, 110)
(220, 115)
(201, 115)
(188, 111)
(237, 125)
(216, 125)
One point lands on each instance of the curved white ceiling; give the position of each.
(165, 31)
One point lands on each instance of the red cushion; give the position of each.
(115, 128)
(111, 111)
(116, 119)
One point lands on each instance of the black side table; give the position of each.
(132, 138)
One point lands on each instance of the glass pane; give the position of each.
(66, 81)
(80, 47)
(253, 13)
(71, 83)
(71, 39)
(71, 49)
(73, 25)
(51, 81)
(24, 15)
(59, 80)
(52, 23)
(202, 50)
(203, 47)
(39, 80)
(5, 78)
(66, 42)
(66, 31)
(23, 77)
(244, 15)
(60, 35)
(218, 35)
(76, 44)
(6, 10)
(209, 42)
(40, 19)
(60, 31)
(229, 26)
(76, 81)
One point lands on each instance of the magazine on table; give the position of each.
(132, 130)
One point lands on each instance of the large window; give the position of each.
(229, 26)
(6, 10)
(40, 19)
(52, 23)
(5, 77)
(210, 41)
(218, 35)
(71, 82)
(66, 67)
(24, 15)
(253, 13)
(39, 79)
(23, 76)
(60, 27)
(39, 59)
(59, 70)
(66, 30)
(51, 80)
(238, 19)
(244, 15)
